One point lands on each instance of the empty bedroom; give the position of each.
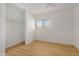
(42, 29)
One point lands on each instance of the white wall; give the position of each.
(15, 25)
(30, 29)
(2, 28)
(61, 29)
(76, 26)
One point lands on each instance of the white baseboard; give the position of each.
(29, 42)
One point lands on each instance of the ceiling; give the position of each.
(39, 8)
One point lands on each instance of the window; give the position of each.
(42, 23)
(39, 23)
(45, 23)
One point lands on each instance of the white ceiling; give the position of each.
(39, 8)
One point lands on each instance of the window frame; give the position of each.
(43, 23)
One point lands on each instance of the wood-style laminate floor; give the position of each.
(40, 48)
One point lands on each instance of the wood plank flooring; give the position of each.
(40, 48)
